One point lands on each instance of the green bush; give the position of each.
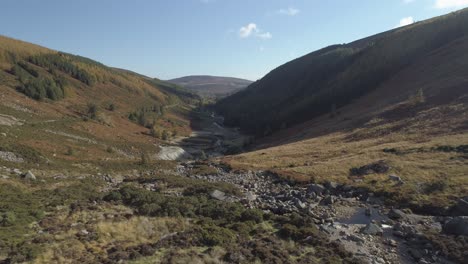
(8, 219)
(254, 215)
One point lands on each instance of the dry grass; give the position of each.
(329, 157)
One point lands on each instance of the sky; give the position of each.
(173, 38)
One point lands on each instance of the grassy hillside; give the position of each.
(212, 86)
(70, 108)
(325, 80)
(401, 99)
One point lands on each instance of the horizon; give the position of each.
(247, 43)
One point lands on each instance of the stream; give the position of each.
(352, 217)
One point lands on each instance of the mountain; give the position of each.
(325, 81)
(398, 98)
(212, 86)
(70, 104)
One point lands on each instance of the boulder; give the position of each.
(218, 195)
(332, 185)
(328, 200)
(396, 214)
(461, 208)
(29, 176)
(372, 229)
(456, 226)
(316, 188)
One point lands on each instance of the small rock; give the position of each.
(395, 178)
(218, 195)
(355, 238)
(396, 214)
(328, 200)
(29, 176)
(416, 254)
(316, 188)
(372, 229)
(3, 134)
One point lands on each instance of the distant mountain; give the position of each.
(322, 82)
(211, 86)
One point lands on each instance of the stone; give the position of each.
(316, 188)
(456, 226)
(3, 134)
(396, 214)
(461, 208)
(377, 167)
(29, 176)
(331, 185)
(372, 229)
(218, 195)
(250, 196)
(355, 238)
(416, 254)
(328, 200)
(395, 178)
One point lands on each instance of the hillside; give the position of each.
(325, 80)
(212, 86)
(66, 104)
(400, 97)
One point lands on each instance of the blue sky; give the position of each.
(173, 38)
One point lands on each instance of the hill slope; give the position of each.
(330, 78)
(212, 86)
(99, 112)
(400, 96)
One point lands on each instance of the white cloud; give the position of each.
(266, 35)
(251, 29)
(441, 4)
(408, 1)
(245, 32)
(290, 11)
(406, 21)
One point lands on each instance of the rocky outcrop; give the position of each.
(457, 226)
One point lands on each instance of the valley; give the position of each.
(354, 153)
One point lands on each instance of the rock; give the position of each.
(377, 167)
(355, 238)
(316, 188)
(218, 195)
(368, 211)
(29, 176)
(328, 200)
(372, 229)
(250, 196)
(3, 134)
(416, 254)
(396, 214)
(457, 226)
(395, 178)
(461, 208)
(391, 242)
(331, 185)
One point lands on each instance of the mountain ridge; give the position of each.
(211, 86)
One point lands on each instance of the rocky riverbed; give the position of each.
(351, 216)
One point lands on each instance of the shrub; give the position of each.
(254, 215)
(92, 110)
(8, 219)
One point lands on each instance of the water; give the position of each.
(360, 217)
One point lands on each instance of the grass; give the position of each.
(330, 157)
